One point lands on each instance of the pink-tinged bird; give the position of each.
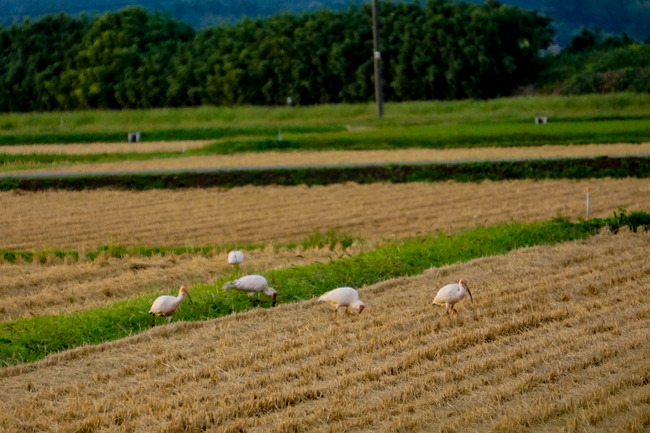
(166, 305)
(252, 284)
(452, 293)
(346, 297)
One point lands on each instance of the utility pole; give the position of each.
(379, 97)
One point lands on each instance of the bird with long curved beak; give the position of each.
(252, 284)
(451, 294)
(343, 297)
(167, 305)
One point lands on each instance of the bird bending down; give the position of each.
(452, 293)
(252, 284)
(346, 297)
(166, 305)
(235, 258)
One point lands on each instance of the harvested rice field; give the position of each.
(368, 214)
(555, 340)
(84, 220)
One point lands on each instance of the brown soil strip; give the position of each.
(99, 148)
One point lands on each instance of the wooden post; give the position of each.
(379, 97)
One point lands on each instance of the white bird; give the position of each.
(252, 284)
(166, 305)
(452, 293)
(346, 297)
(235, 258)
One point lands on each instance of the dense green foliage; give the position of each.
(27, 340)
(135, 59)
(595, 63)
(612, 16)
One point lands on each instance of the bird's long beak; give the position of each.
(189, 297)
(470, 293)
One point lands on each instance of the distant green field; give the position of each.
(215, 122)
(612, 118)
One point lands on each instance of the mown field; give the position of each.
(289, 225)
(555, 340)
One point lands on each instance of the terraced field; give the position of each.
(371, 214)
(555, 340)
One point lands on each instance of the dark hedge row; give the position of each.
(427, 172)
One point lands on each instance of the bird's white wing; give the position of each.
(162, 304)
(340, 296)
(249, 283)
(446, 294)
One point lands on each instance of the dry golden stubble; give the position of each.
(84, 220)
(555, 334)
(101, 148)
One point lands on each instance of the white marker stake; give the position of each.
(588, 205)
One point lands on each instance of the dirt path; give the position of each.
(267, 159)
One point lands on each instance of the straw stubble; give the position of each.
(556, 339)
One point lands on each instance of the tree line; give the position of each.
(611, 16)
(134, 58)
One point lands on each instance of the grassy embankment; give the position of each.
(27, 340)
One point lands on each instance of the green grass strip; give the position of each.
(26, 340)
(446, 136)
(316, 239)
(171, 134)
(58, 125)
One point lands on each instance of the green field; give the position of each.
(614, 118)
(328, 122)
